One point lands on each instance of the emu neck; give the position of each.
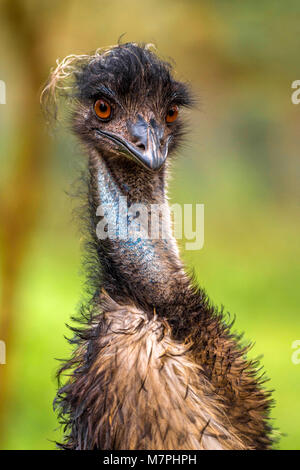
(134, 259)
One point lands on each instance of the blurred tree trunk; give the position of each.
(20, 201)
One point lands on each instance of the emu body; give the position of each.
(155, 365)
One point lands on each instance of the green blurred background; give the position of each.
(241, 161)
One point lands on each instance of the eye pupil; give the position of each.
(172, 114)
(102, 109)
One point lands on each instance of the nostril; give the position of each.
(141, 146)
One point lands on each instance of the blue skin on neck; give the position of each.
(139, 254)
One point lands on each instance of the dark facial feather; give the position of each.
(132, 79)
(135, 82)
(131, 72)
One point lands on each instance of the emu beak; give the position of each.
(146, 146)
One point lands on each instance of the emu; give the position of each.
(155, 364)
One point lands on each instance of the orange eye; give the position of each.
(172, 113)
(102, 109)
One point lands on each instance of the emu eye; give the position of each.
(102, 109)
(172, 113)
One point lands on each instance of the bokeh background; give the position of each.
(241, 160)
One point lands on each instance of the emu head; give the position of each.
(127, 103)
